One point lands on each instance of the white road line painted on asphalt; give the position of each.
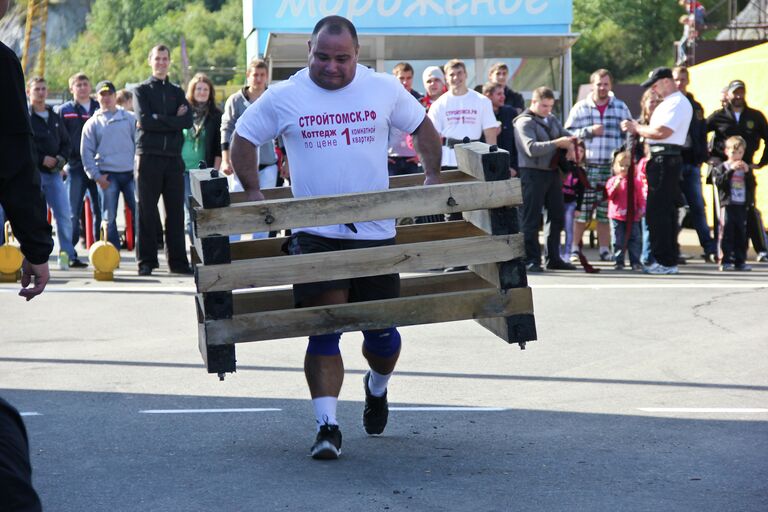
(105, 289)
(704, 409)
(448, 409)
(199, 411)
(30, 414)
(648, 286)
(586, 286)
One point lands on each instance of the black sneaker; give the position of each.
(327, 443)
(76, 263)
(376, 410)
(184, 271)
(145, 270)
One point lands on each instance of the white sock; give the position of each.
(603, 249)
(574, 248)
(325, 410)
(377, 383)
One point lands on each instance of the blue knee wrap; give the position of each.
(382, 342)
(324, 344)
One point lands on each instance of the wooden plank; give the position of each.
(341, 209)
(484, 162)
(497, 221)
(217, 358)
(270, 247)
(504, 275)
(208, 190)
(380, 314)
(406, 180)
(518, 328)
(256, 301)
(307, 268)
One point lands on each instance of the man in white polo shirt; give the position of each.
(665, 135)
(334, 117)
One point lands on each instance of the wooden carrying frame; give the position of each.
(494, 291)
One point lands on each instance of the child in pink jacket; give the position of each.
(625, 225)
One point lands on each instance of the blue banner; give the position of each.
(411, 16)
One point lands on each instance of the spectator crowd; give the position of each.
(626, 179)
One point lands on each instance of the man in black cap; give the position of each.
(736, 118)
(665, 135)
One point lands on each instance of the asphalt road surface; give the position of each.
(642, 393)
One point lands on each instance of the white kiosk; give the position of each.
(532, 36)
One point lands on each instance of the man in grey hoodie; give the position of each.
(108, 147)
(539, 137)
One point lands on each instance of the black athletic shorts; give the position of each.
(361, 289)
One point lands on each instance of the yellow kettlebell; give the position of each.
(10, 259)
(104, 257)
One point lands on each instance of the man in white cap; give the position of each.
(434, 85)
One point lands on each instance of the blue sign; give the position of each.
(415, 16)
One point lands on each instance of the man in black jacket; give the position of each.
(736, 118)
(694, 154)
(162, 112)
(22, 199)
(505, 115)
(52, 145)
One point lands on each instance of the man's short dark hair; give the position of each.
(680, 69)
(159, 48)
(542, 93)
(600, 73)
(77, 77)
(257, 64)
(489, 87)
(336, 25)
(34, 80)
(402, 67)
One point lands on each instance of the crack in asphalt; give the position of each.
(697, 308)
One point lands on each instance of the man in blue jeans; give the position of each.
(694, 154)
(74, 114)
(107, 148)
(51, 145)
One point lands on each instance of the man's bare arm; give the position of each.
(491, 135)
(426, 141)
(245, 162)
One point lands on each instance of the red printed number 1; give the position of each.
(345, 132)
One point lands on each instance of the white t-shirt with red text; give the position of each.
(336, 141)
(456, 117)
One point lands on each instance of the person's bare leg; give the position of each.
(382, 365)
(578, 232)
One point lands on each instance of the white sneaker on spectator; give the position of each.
(658, 269)
(574, 257)
(762, 257)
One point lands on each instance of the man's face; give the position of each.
(81, 90)
(664, 87)
(332, 59)
(456, 77)
(681, 80)
(736, 98)
(601, 86)
(107, 100)
(159, 61)
(435, 86)
(542, 107)
(406, 78)
(257, 78)
(37, 92)
(497, 97)
(500, 75)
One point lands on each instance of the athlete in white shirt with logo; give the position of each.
(334, 117)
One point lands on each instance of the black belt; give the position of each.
(402, 157)
(264, 166)
(665, 149)
(449, 142)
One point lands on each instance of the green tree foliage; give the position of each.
(627, 37)
(120, 34)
